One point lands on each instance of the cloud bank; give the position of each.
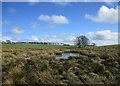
(59, 38)
(105, 14)
(104, 37)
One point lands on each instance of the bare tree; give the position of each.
(82, 41)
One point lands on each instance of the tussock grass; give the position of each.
(95, 65)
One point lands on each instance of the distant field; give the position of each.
(37, 46)
(42, 46)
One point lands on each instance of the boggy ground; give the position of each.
(95, 65)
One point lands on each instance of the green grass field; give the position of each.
(35, 46)
(42, 46)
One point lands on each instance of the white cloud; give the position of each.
(11, 10)
(58, 38)
(59, 19)
(44, 18)
(105, 14)
(17, 30)
(109, 0)
(90, 33)
(104, 37)
(33, 38)
(33, 2)
(4, 38)
(54, 19)
(62, 3)
(34, 25)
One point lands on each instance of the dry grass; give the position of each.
(36, 66)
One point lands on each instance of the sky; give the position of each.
(60, 21)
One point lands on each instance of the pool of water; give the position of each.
(67, 55)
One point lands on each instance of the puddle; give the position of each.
(67, 55)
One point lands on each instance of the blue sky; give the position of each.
(60, 22)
